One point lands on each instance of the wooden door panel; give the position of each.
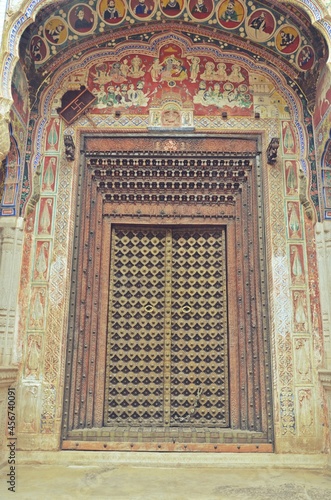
(180, 352)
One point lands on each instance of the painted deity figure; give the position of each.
(286, 38)
(111, 99)
(33, 359)
(306, 415)
(115, 73)
(236, 75)
(136, 69)
(221, 73)
(156, 69)
(101, 96)
(305, 57)
(300, 314)
(288, 139)
(37, 313)
(209, 72)
(101, 75)
(54, 33)
(53, 137)
(124, 68)
(194, 68)
(136, 95)
(35, 49)
(303, 362)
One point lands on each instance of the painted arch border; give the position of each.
(316, 10)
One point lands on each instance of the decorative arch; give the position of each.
(49, 230)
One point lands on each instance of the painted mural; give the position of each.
(11, 180)
(20, 92)
(256, 21)
(135, 82)
(13, 164)
(324, 98)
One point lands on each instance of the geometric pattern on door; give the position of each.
(167, 331)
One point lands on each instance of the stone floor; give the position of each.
(134, 482)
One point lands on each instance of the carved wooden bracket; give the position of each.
(272, 151)
(69, 147)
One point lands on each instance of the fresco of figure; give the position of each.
(236, 75)
(231, 13)
(137, 68)
(56, 31)
(287, 40)
(306, 58)
(194, 68)
(200, 7)
(111, 12)
(38, 49)
(81, 18)
(209, 73)
(156, 69)
(221, 73)
(173, 69)
(172, 8)
(172, 5)
(142, 9)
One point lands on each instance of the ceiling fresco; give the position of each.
(281, 36)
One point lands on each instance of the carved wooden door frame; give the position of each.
(152, 180)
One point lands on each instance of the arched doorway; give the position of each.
(208, 106)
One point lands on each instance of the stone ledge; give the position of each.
(156, 459)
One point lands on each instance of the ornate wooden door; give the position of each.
(167, 338)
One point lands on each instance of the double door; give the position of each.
(167, 354)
